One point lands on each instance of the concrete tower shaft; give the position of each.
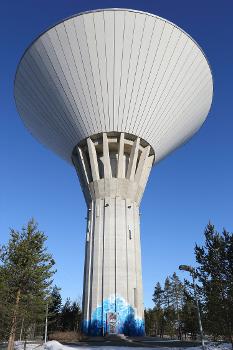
(113, 169)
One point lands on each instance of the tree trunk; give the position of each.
(25, 343)
(21, 330)
(14, 323)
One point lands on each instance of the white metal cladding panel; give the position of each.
(113, 70)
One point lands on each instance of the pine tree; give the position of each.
(28, 271)
(158, 296)
(167, 293)
(54, 310)
(76, 316)
(158, 312)
(150, 322)
(216, 275)
(71, 316)
(4, 304)
(177, 293)
(189, 315)
(168, 304)
(65, 315)
(169, 308)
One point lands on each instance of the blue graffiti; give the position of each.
(127, 321)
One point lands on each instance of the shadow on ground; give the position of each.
(148, 342)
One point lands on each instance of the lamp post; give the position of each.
(192, 272)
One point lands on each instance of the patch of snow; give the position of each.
(19, 345)
(218, 346)
(55, 345)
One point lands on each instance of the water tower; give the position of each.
(113, 92)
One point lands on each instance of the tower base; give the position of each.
(125, 323)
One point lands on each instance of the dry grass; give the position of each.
(65, 336)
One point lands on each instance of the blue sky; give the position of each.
(186, 190)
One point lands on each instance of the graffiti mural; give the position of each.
(127, 321)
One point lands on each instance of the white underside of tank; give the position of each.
(114, 70)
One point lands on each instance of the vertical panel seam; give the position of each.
(160, 63)
(139, 108)
(126, 89)
(147, 54)
(135, 73)
(122, 55)
(106, 70)
(101, 87)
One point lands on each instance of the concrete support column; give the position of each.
(112, 274)
(113, 280)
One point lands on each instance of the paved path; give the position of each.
(149, 342)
